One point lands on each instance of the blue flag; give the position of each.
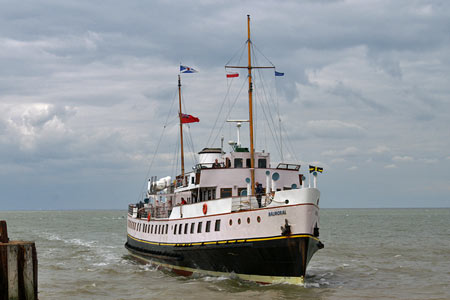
(279, 73)
(186, 69)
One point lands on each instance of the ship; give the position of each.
(234, 214)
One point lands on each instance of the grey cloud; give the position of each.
(335, 129)
(356, 98)
(358, 75)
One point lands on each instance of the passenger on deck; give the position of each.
(183, 202)
(258, 191)
(216, 164)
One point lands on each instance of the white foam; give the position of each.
(312, 284)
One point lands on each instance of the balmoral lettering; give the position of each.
(277, 213)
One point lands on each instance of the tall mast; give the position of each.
(181, 126)
(250, 109)
(249, 67)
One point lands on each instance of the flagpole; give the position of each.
(250, 110)
(181, 128)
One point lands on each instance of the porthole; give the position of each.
(258, 219)
(248, 220)
(239, 221)
(231, 222)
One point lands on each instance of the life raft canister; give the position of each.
(205, 208)
(148, 217)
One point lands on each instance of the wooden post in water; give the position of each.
(18, 268)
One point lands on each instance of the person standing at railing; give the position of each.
(258, 191)
(216, 165)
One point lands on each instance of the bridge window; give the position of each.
(238, 162)
(185, 228)
(262, 163)
(249, 163)
(192, 227)
(180, 228)
(208, 226)
(175, 229)
(199, 227)
(225, 192)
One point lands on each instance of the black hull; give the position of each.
(267, 260)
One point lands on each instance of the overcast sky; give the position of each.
(87, 86)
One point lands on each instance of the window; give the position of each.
(217, 227)
(208, 226)
(192, 180)
(175, 229)
(185, 228)
(258, 219)
(199, 227)
(167, 228)
(248, 220)
(262, 163)
(231, 222)
(248, 163)
(238, 162)
(239, 221)
(180, 228)
(151, 229)
(225, 193)
(242, 191)
(192, 227)
(159, 229)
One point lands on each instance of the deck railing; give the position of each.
(163, 210)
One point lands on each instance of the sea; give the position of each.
(368, 254)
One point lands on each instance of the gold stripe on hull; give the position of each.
(227, 241)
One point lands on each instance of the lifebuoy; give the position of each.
(148, 217)
(205, 208)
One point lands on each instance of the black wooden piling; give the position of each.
(18, 268)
